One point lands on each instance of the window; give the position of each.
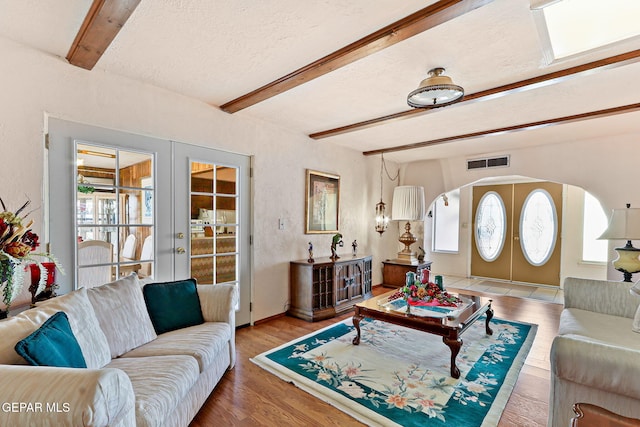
(491, 226)
(538, 227)
(572, 27)
(446, 220)
(595, 222)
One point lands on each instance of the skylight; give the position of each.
(576, 26)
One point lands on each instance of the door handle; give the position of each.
(180, 250)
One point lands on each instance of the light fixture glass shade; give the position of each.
(436, 90)
(625, 225)
(382, 220)
(408, 205)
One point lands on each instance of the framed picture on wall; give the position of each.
(322, 202)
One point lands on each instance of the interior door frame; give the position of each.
(60, 183)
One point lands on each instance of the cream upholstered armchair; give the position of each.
(92, 252)
(595, 358)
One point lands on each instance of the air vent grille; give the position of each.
(489, 162)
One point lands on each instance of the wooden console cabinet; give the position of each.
(394, 273)
(325, 288)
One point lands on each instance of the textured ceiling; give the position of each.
(216, 51)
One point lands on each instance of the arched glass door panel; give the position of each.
(490, 226)
(538, 227)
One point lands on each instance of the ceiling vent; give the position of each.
(489, 162)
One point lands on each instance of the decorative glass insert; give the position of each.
(538, 227)
(491, 226)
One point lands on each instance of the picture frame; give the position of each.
(147, 200)
(322, 202)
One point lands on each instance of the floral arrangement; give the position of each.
(17, 246)
(422, 292)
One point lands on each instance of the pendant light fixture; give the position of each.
(437, 90)
(382, 220)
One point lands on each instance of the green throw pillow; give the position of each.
(52, 344)
(173, 305)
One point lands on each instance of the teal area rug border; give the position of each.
(369, 415)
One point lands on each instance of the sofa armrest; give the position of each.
(606, 297)
(218, 304)
(47, 396)
(596, 365)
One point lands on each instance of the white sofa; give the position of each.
(133, 377)
(595, 358)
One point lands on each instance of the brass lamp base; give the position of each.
(406, 256)
(627, 262)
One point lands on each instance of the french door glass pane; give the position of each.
(213, 223)
(538, 227)
(490, 226)
(114, 213)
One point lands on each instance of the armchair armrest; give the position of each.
(69, 397)
(218, 304)
(600, 296)
(597, 365)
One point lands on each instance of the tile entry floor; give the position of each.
(550, 294)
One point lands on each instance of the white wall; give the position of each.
(35, 85)
(602, 167)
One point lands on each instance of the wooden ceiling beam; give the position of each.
(101, 25)
(497, 92)
(510, 129)
(416, 23)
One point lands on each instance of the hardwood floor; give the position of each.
(250, 396)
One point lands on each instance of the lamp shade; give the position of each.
(408, 203)
(623, 225)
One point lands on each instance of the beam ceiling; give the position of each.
(416, 23)
(485, 95)
(516, 128)
(99, 28)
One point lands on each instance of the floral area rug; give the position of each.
(399, 376)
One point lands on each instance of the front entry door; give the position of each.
(517, 229)
(212, 230)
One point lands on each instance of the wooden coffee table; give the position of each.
(449, 327)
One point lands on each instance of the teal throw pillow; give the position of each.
(173, 305)
(52, 344)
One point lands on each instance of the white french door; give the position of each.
(172, 200)
(212, 228)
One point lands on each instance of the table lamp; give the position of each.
(625, 225)
(408, 205)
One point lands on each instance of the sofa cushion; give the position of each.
(82, 319)
(52, 344)
(598, 327)
(173, 305)
(159, 383)
(203, 342)
(122, 314)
